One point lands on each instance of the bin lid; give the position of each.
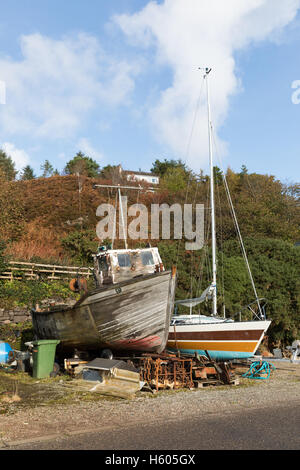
(40, 342)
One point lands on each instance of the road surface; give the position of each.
(265, 429)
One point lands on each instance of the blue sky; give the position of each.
(119, 81)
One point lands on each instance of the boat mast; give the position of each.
(122, 217)
(118, 187)
(212, 199)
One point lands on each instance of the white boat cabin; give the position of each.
(114, 266)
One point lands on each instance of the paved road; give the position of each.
(268, 429)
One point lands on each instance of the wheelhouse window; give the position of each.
(147, 258)
(124, 260)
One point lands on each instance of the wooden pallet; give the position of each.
(206, 383)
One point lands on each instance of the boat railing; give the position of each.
(195, 319)
(259, 314)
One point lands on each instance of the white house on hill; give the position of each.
(139, 176)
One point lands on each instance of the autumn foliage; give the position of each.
(54, 220)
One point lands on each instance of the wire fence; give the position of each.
(31, 271)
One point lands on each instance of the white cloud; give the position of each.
(57, 83)
(19, 156)
(85, 146)
(186, 34)
(2, 92)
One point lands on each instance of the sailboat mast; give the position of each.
(212, 200)
(122, 217)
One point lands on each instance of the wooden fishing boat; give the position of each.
(129, 310)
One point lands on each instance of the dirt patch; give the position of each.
(19, 391)
(30, 393)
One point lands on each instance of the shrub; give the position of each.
(81, 245)
(3, 260)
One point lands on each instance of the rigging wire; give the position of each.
(237, 228)
(221, 246)
(205, 259)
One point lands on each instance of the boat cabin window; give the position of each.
(124, 260)
(147, 258)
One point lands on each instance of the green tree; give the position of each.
(27, 173)
(83, 165)
(244, 170)
(7, 166)
(81, 245)
(47, 169)
(174, 179)
(160, 168)
(275, 266)
(218, 175)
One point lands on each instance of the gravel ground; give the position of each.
(42, 422)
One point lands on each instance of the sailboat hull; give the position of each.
(224, 341)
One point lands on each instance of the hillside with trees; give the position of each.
(52, 218)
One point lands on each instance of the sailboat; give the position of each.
(129, 310)
(218, 337)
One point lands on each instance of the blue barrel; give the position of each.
(4, 351)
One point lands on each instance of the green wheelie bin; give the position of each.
(43, 355)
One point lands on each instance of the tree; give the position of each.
(160, 168)
(244, 170)
(83, 165)
(275, 266)
(81, 245)
(47, 169)
(113, 173)
(218, 175)
(174, 179)
(7, 166)
(27, 173)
